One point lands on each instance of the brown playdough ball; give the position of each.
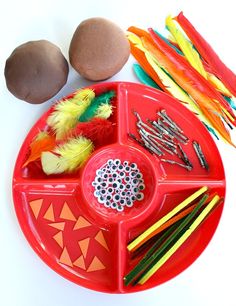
(98, 49)
(36, 71)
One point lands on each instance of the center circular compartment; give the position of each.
(124, 154)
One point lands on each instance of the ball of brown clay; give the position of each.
(98, 49)
(36, 71)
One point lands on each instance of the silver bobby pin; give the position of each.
(164, 115)
(200, 155)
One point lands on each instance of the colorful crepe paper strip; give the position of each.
(176, 227)
(75, 126)
(188, 68)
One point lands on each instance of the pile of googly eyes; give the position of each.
(118, 185)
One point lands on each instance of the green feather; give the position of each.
(92, 110)
(144, 77)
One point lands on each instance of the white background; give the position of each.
(24, 279)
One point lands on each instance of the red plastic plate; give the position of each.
(86, 243)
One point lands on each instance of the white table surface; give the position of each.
(24, 279)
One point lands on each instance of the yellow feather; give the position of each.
(75, 153)
(67, 113)
(86, 94)
(186, 46)
(104, 111)
(218, 85)
(69, 156)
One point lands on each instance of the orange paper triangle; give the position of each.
(96, 265)
(58, 225)
(49, 215)
(36, 206)
(84, 244)
(59, 239)
(66, 213)
(80, 223)
(100, 239)
(80, 263)
(65, 258)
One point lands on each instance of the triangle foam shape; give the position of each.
(59, 225)
(84, 244)
(96, 265)
(80, 223)
(100, 239)
(65, 258)
(80, 263)
(59, 239)
(36, 206)
(66, 213)
(49, 215)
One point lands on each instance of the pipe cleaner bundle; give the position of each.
(76, 126)
(185, 66)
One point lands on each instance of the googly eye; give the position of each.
(110, 162)
(128, 193)
(99, 172)
(125, 163)
(116, 198)
(120, 208)
(116, 185)
(101, 199)
(96, 193)
(135, 182)
(127, 179)
(104, 184)
(127, 169)
(108, 197)
(122, 174)
(94, 184)
(117, 162)
(110, 180)
(122, 202)
(140, 196)
(135, 190)
(133, 174)
(103, 192)
(105, 175)
(133, 166)
(113, 167)
(129, 203)
(114, 205)
(128, 186)
(120, 167)
(110, 190)
(114, 175)
(141, 187)
(107, 204)
(139, 175)
(98, 179)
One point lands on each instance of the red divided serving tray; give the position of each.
(87, 243)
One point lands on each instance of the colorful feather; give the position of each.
(42, 142)
(98, 130)
(192, 77)
(144, 77)
(186, 46)
(104, 111)
(92, 110)
(66, 112)
(208, 54)
(203, 101)
(68, 157)
(170, 85)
